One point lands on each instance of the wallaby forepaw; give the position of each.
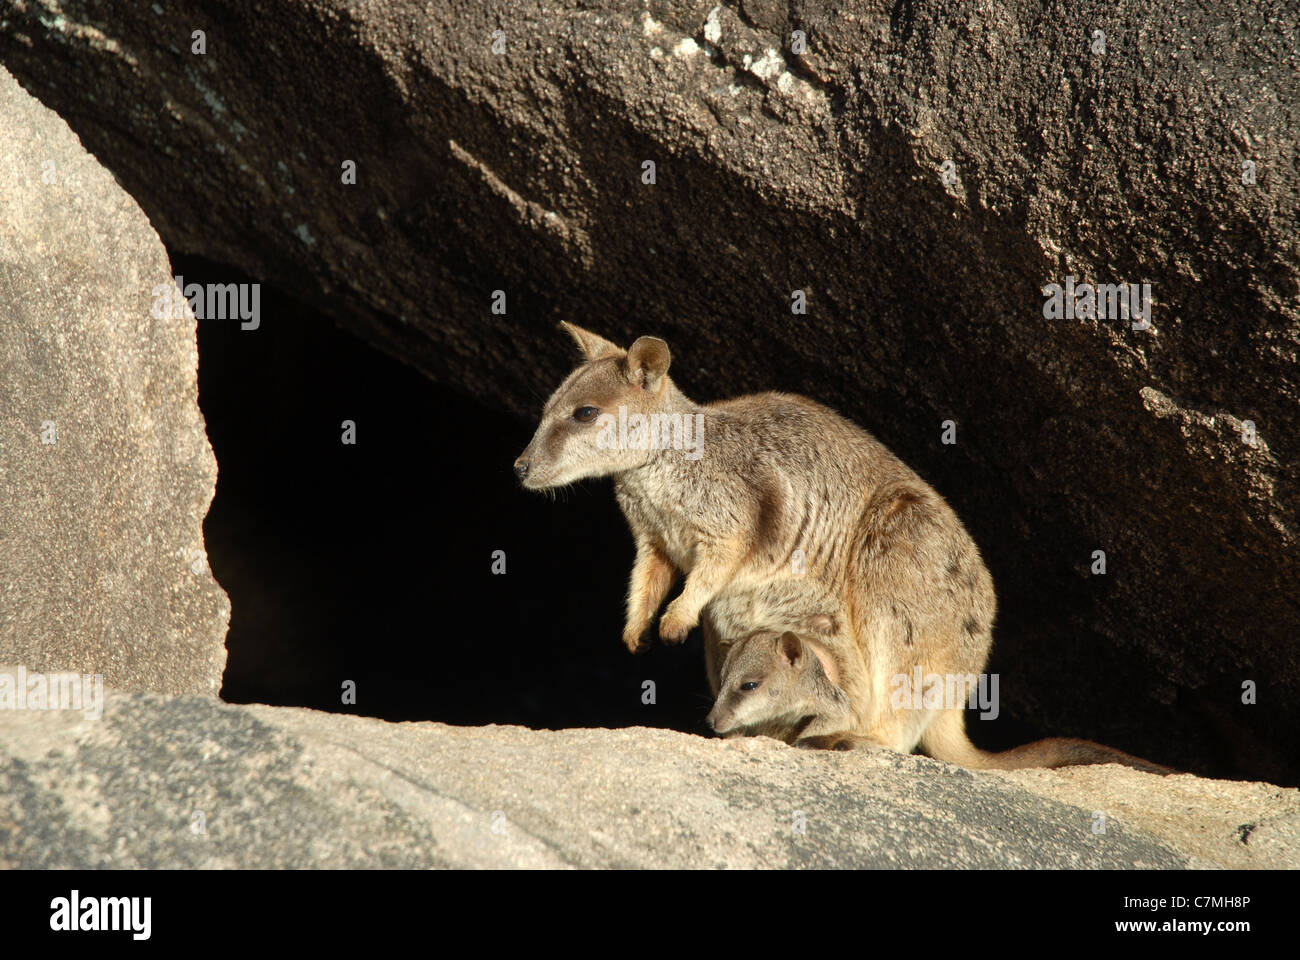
(673, 627)
(635, 640)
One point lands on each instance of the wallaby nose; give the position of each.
(521, 468)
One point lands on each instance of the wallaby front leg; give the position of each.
(715, 565)
(652, 577)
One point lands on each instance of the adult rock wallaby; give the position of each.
(763, 491)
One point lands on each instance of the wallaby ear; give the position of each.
(592, 345)
(647, 362)
(791, 647)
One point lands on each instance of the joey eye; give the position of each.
(750, 685)
(585, 414)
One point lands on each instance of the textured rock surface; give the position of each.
(1230, 823)
(283, 787)
(522, 172)
(105, 469)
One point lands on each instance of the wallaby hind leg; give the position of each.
(898, 728)
(945, 739)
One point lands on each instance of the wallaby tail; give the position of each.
(945, 739)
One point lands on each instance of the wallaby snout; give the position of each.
(719, 719)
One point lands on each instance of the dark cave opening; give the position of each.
(373, 562)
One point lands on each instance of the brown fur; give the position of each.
(798, 701)
(884, 557)
(794, 696)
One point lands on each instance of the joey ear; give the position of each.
(647, 362)
(592, 345)
(791, 647)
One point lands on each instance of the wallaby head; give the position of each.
(578, 436)
(775, 684)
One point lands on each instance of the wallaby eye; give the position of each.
(750, 685)
(585, 414)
